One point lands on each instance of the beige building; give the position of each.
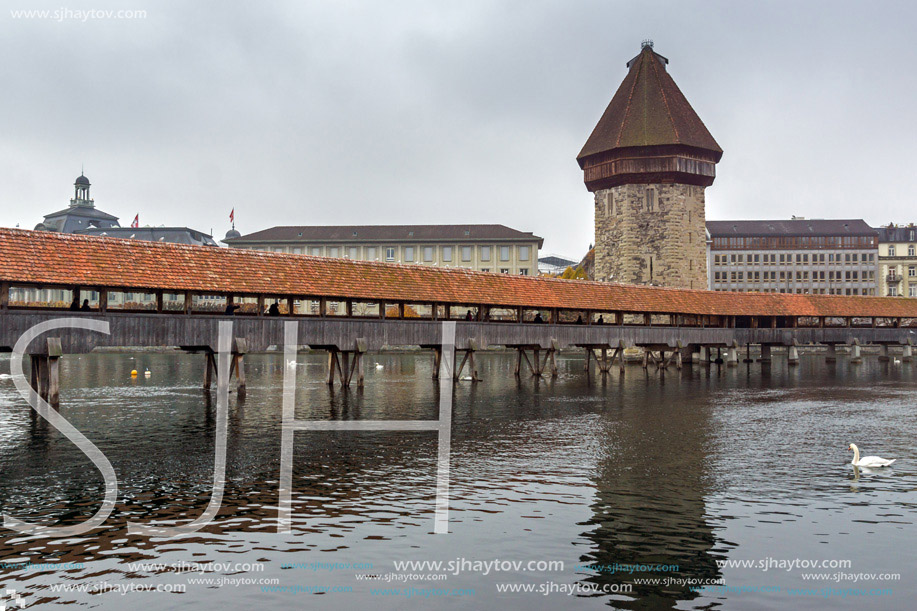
(898, 261)
(486, 248)
(800, 256)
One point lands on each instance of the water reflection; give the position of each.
(680, 469)
(649, 516)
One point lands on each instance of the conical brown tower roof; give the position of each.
(648, 110)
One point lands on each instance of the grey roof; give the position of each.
(173, 235)
(74, 218)
(893, 233)
(790, 228)
(556, 261)
(381, 233)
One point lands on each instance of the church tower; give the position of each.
(648, 161)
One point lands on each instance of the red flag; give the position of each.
(136, 222)
(232, 216)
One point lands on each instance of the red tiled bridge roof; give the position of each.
(53, 259)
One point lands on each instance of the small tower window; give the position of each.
(650, 199)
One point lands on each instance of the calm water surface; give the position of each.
(680, 473)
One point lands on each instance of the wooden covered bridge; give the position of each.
(156, 294)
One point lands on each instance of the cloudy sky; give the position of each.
(443, 112)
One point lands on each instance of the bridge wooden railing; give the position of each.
(101, 300)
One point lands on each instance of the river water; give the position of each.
(721, 484)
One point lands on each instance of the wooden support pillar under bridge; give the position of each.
(602, 359)
(236, 365)
(536, 364)
(44, 375)
(467, 353)
(343, 365)
(667, 355)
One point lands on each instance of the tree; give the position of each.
(574, 274)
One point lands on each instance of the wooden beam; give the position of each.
(103, 300)
(4, 295)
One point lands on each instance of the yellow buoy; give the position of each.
(133, 373)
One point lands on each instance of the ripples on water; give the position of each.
(681, 469)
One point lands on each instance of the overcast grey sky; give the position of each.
(444, 112)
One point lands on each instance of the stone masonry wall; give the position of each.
(662, 245)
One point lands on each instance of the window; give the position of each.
(910, 250)
(650, 199)
(893, 291)
(524, 253)
(447, 253)
(466, 253)
(297, 251)
(408, 253)
(353, 252)
(485, 253)
(912, 270)
(371, 253)
(428, 253)
(334, 251)
(485, 269)
(278, 249)
(891, 250)
(504, 270)
(389, 254)
(523, 271)
(912, 291)
(316, 251)
(504, 253)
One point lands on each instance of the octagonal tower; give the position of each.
(648, 161)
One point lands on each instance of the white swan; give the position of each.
(379, 366)
(867, 461)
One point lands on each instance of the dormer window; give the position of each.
(650, 199)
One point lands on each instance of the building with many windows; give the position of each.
(897, 260)
(818, 256)
(486, 248)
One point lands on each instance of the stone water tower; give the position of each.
(648, 161)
